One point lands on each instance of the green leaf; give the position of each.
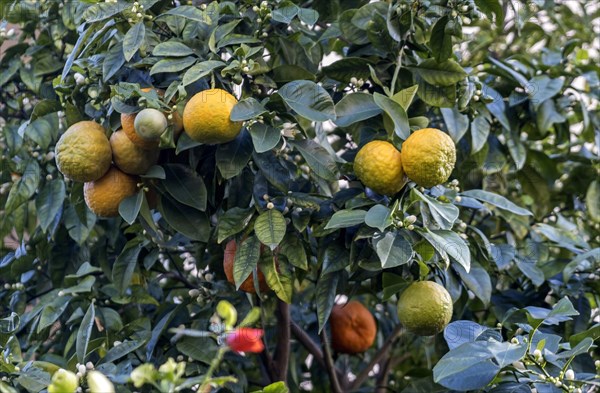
(84, 334)
(270, 228)
(201, 70)
(592, 200)
(346, 218)
(285, 14)
(190, 12)
(189, 221)
(232, 157)
(83, 286)
(264, 137)
(396, 113)
(113, 61)
(379, 216)
(277, 387)
(24, 188)
(53, 311)
(246, 258)
(33, 379)
(355, 107)
(345, 69)
(43, 108)
(247, 109)
(456, 122)
(294, 251)
(121, 350)
(308, 16)
(40, 131)
(477, 280)
(405, 97)
(440, 96)
(468, 367)
(450, 243)
(49, 203)
(366, 13)
(440, 42)
(278, 277)
(392, 249)
(233, 221)
(172, 64)
(541, 88)
(290, 72)
(130, 207)
(125, 265)
(446, 73)
(309, 100)
(185, 186)
(496, 200)
(480, 130)
(133, 40)
(445, 214)
(318, 158)
(582, 347)
(174, 49)
(102, 11)
(325, 296)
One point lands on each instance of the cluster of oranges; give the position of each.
(109, 166)
(427, 158)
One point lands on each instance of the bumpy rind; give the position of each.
(425, 308)
(428, 157)
(379, 166)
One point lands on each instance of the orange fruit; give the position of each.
(425, 308)
(206, 117)
(104, 195)
(83, 152)
(129, 157)
(128, 125)
(428, 157)
(378, 165)
(353, 328)
(248, 284)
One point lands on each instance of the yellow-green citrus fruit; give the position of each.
(150, 123)
(104, 195)
(428, 157)
(206, 117)
(83, 152)
(128, 126)
(425, 308)
(379, 166)
(353, 328)
(129, 157)
(98, 383)
(63, 381)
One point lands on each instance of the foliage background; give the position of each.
(515, 84)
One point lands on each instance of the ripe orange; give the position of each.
(104, 195)
(248, 284)
(129, 157)
(206, 117)
(83, 152)
(353, 328)
(428, 157)
(378, 165)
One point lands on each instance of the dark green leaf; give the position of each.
(129, 208)
(185, 186)
(233, 221)
(49, 203)
(346, 218)
(84, 334)
(440, 42)
(355, 107)
(201, 70)
(125, 265)
(392, 249)
(264, 137)
(379, 216)
(294, 251)
(232, 157)
(174, 49)
(24, 188)
(456, 122)
(189, 221)
(396, 113)
(496, 200)
(318, 158)
(246, 259)
(325, 296)
(446, 73)
(172, 65)
(309, 100)
(133, 40)
(270, 228)
(247, 109)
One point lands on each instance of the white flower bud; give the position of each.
(570, 375)
(270, 205)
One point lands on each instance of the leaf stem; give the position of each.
(213, 366)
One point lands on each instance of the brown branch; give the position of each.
(282, 351)
(379, 356)
(329, 364)
(307, 342)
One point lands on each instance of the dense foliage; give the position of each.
(514, 237)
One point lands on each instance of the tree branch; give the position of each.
(282, 351)
(382, 353)
(329, 364)
(307, 342)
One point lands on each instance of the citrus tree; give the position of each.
(329, 196)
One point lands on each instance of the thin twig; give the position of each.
(307, 342)
(335, 383)
(282, 351)
(382, 353)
